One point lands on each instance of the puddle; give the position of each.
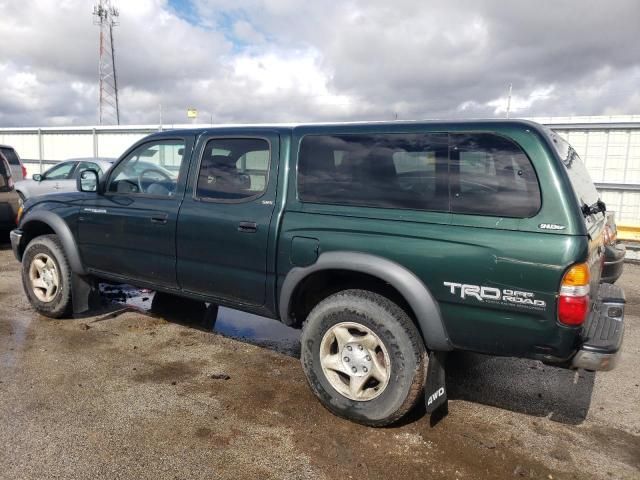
(17, 328)
(253, 329)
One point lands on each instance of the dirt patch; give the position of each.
(168, 373)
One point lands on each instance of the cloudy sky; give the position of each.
(315, 60)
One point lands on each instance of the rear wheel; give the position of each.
(46, 276)
(363, 357)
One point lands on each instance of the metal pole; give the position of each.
(95, 143)
(509, 100)
(40, 148)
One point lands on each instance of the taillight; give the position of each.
(573, 301)
(24, 172)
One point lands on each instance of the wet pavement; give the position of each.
(138, 391)
(253, 329)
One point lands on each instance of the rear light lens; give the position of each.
(24, 171)
(573, 301)
(573, 310)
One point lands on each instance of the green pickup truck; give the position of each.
(388, 244)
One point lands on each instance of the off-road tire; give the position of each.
(61, 305)
(398, 333)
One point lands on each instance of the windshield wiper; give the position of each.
(597, 207)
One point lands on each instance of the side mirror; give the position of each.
(87, 181)
(37, 177)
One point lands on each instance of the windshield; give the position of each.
(580, 179)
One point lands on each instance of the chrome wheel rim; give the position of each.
(44, 277)
(355, 361)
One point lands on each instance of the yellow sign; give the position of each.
(192, 113)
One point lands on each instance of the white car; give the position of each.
(61, 177)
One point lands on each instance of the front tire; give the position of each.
(363, 357)
(46, 277)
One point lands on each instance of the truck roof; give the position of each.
(291, 127)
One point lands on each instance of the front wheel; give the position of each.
(363, 357)
(46, 276)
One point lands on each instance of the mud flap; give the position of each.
(84, 294)
(436, 389)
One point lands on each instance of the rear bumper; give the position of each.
(613, 263)
(603, 332)
(16, 238)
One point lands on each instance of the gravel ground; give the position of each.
(127, 394)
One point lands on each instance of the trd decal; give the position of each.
(494, 295)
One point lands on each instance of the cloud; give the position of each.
(290, 60)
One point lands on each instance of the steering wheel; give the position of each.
(151, 170)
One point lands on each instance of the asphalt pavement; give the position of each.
(135, 393)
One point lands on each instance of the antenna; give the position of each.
(105, 15)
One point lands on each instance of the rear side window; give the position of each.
(10, 155)
(407, 171)
(490, 175)
(579, 177)
(233, 169)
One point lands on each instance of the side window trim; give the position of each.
(186, 158)
(203, 145)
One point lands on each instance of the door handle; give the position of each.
(159, 218)
(247, 227)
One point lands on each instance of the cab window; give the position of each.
(151, 169)
(233, 169)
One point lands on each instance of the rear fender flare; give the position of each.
(410, 287)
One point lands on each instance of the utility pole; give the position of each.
(509, 100)
(105, 15)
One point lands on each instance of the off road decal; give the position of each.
(505, 296)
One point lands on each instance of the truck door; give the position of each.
(129, 230)
(223, 225)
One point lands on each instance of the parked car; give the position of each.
(614, 251)
(8, 196)
(18, 170)
(61, 177)
(388, 244)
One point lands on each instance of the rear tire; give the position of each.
(364, 358)
(46, 277)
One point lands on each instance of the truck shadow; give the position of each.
(518, 385)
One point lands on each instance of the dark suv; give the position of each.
(388, 244)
